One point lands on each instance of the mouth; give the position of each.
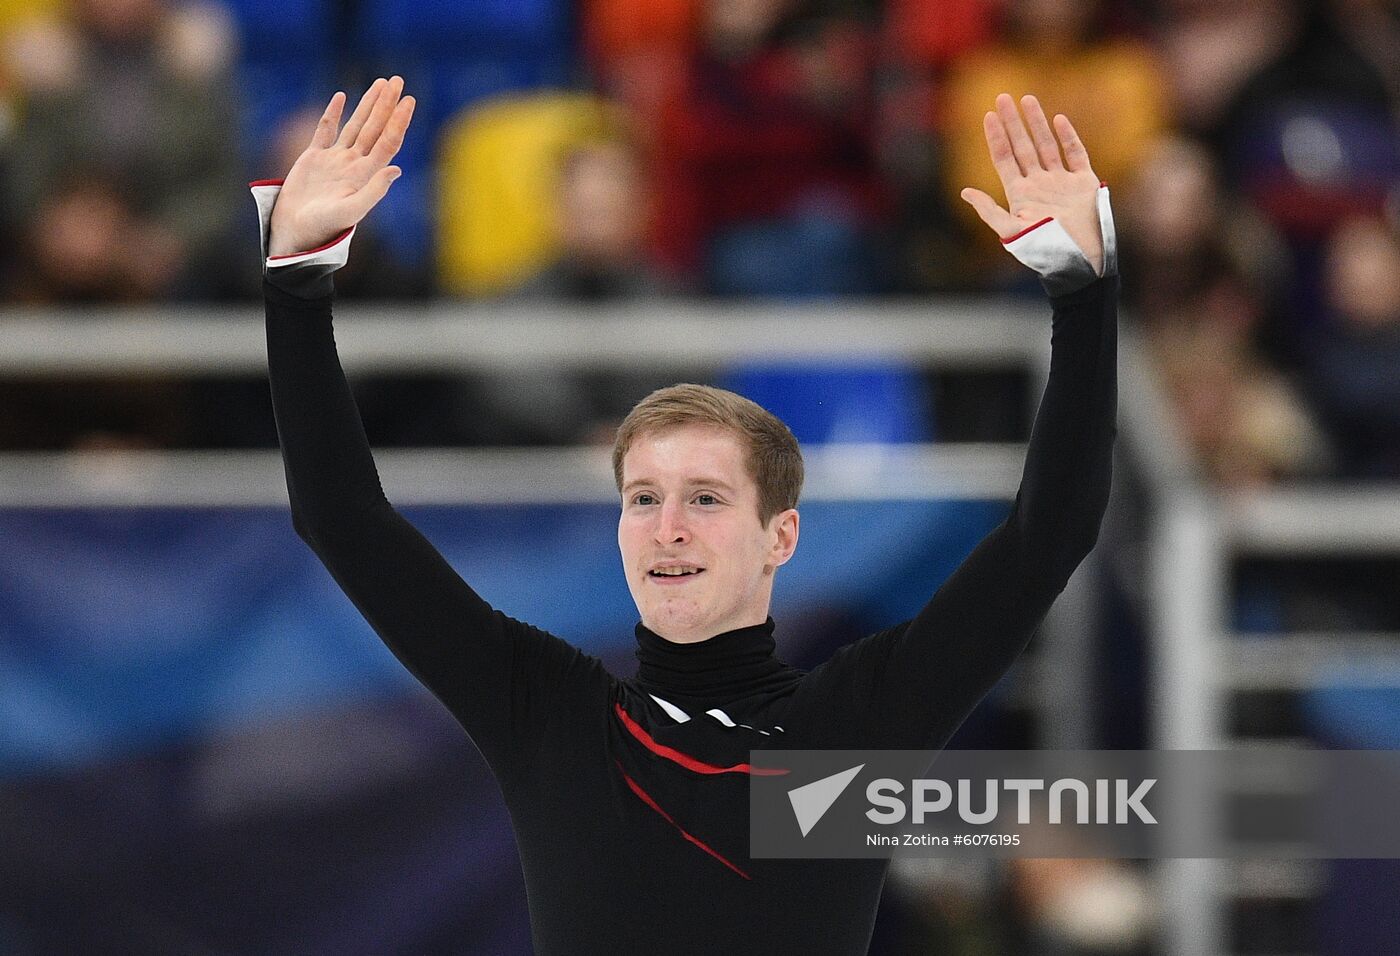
(675, 574)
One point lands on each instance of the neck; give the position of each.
(724, 666)
(700, 636)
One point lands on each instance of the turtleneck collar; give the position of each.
(727, 666)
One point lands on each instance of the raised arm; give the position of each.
(308, 221)
(499, 677)
(912, 685)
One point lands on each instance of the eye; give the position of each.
(707, 499)
(643, 499)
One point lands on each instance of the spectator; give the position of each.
(945, 906)
(600, 208)
(1239, 416)
(1056, 48)
(146, 87)
(1201, 271)
(17, 18)
(601, 223)
(1210, 48)
(75, 253)
(1031, 907)
(767, 177)
(1311, 138)
(1355, 363)
(637, 50)
(74, 248)
(498, 168)
(1088, 907)
(931, 251)
(1190, 250)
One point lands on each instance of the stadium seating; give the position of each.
(434, 29)
(15, 12)
(847, 402)
(496, 180)
(275, 73)
(453, 55)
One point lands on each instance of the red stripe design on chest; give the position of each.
(647, 799)
(685, 759)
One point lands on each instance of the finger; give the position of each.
(1021, 143)
(1076, 156)
(1002, 222)
(1003, 160)
(391, 140)
(1046, 146)
(362, 111)
(383, 109)
(324, 135)
(371, 192)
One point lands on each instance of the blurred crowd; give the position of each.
(608, 150)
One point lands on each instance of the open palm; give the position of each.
(1038, 183)
(337, 180)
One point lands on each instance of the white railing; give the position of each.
(480, 476)
(454, 338)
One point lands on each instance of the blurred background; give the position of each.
(205, 750)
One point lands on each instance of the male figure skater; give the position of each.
(629, 798)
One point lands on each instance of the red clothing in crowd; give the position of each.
(754, 139)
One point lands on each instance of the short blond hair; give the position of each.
(773, 458)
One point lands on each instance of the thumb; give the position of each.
(1002, 222)
(371, 192)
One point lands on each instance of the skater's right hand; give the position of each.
(338, 179)
(1039, 185)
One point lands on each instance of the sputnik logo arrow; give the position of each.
(811, 801)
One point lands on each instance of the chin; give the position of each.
(679, 620)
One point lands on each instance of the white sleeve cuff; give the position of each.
(1060, 263)
(329, 257)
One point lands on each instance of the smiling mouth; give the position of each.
(686, 575)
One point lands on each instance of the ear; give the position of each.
(784, 528)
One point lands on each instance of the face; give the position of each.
(689, 504)
(1363, 273)
(600, 206)
(1177, 196)
(78, 235)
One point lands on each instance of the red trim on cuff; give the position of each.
(1010, 239)
(266, 182)
(336, 241)
(1103, 182)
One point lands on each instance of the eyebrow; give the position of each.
(711, 482)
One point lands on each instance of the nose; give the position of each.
(670, 523)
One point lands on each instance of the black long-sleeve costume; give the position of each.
(629, 800)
